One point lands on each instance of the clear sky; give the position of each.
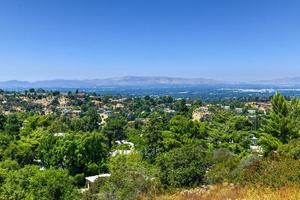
(85, 39)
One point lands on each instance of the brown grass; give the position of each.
(231, 192)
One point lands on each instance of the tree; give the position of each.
(230, 131)
(2, 122)
(22, 151)
(180, 106)
(187, 129)
(291, 150)
(32, 183)
(269, 143)
(283, 120)
(131, 178)
(78, 152)
(52, 184)
(31, 90)
(184, 166)
(91, 120)
(13, 125)
(153, 138)
(114, 128)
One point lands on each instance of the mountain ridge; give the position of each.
(139, 81)
(117, 81)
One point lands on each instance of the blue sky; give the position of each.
(85, 39)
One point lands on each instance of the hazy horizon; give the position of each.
(230, 40)
(157, 76)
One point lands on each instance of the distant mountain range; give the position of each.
(122, 81)
(139, 81)
(294, 81)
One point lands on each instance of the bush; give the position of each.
(274, 171)
(224, 162)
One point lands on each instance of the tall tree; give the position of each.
(283, 120)
(153, 137)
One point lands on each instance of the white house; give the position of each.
(92, 179)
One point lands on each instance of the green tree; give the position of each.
(153, 137)
(32, 183)
(91, 120)
(115, 128)
(13, 124)
(52, 184)
(131, 178)
(2, 122)
(184, 166)
(291, 150)
(283, 120)
(78, 152)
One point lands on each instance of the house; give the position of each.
(201, 114)
(118, 106)
(123, 152)
(252, 112)
(254, 146)
(239, 110)
(104, 117)
(168, 110)
(59, 134)
(75, 113)
(227, 107)
(92, 179)
(261, 106)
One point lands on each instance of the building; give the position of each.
(168, 110)
(201, 114)
(121, 152)
(227, 107)
(254, 146)
(128, 151)
(59, 134)
(92, 179)
(252, 112)
(261, 106)
(239, 110)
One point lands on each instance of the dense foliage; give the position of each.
(49, 143)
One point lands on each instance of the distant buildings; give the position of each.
(118, 106)
(201, 114)
(261, 106)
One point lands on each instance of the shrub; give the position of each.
(273, 171)
(224, 162)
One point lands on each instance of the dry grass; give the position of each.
(230, 192)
